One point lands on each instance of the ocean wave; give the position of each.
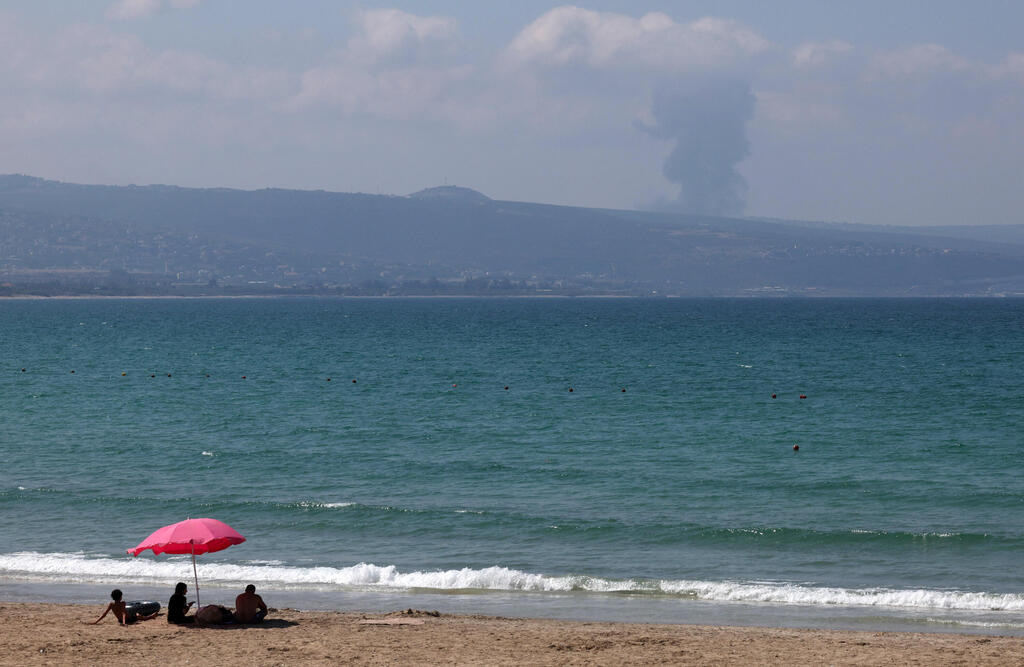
(84, 568)
(855, 536)
(967, 623)
(662, 531)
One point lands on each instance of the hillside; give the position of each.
(456, 240)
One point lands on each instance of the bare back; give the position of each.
(119, 611)
(246, 606)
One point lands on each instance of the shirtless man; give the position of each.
(118, 607)
(249, 607)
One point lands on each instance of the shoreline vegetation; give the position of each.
(46, 633)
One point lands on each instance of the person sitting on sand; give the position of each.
(123, 616)
(249, 607)
(177, 607)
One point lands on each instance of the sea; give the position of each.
(837, 463)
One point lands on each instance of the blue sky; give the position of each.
(872, 112)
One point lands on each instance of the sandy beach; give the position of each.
(61, 634)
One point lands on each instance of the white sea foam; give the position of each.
(991, 625)
(78, 567)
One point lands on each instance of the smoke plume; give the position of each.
(707, 120)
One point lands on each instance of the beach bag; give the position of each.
(212, 615)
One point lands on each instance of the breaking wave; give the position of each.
(83, 568)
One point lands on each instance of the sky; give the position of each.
(895, 113)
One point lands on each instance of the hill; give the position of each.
(451, 193)
(456, 240)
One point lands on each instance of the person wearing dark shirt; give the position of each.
(177, 607)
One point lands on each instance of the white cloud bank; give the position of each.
(396, 65)
(390, 33)
(602, 40)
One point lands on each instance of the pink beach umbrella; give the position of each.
(192, 536)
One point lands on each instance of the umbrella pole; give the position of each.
(196, 575)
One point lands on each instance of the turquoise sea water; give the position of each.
(415, 475)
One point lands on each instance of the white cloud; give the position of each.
(391, 33)
(568, 36)
(128, 10)
(94, 61)
(391, 93)
(819, 54)
(1012, 67)
(397, 65)
(917, 62)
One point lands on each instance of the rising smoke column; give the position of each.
(707, 120)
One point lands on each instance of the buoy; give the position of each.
(72, 372)
(803, 395)
(243, 377)
(353, 381)
(506, 387)
(773, 396)
(328, 379)
(152, 375)
(570, 390)
(623, 390)
(796, 448)
(454, 385)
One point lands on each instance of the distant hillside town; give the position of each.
(66, 239)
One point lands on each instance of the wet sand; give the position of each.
(61, 634)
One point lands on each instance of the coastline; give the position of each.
(46, 633)
(518, 297)
(557, 606)
(55, 297)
